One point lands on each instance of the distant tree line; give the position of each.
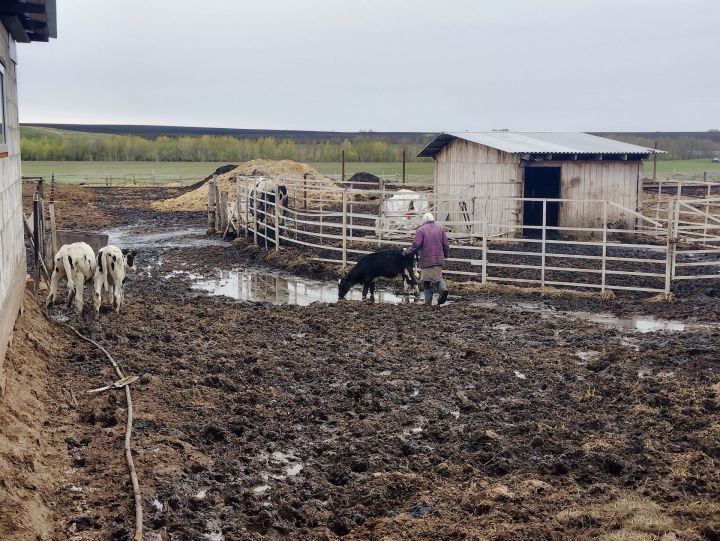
(683, 147)
(93, 147)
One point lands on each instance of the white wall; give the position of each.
(12, 248)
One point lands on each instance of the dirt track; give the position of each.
(386, 422)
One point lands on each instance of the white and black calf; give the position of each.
(113, 265)
(75, 262)
(387, 263)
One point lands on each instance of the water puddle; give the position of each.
(143, 237)
(641, 324)
(262, 286)
(634, 324)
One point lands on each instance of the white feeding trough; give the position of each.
(402, 211)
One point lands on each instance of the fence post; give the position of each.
(223, 211)
(344, 227)
(247, 209)
(604, 246)
(321, 223)
(403, 166)
(255, 220)
(484, 250)
(669, 256)
(342, 176)
(218, 209)
(212, 207)
(277, 223)
(36, 239)
(707, 210)
(544, 236)
(53, 230)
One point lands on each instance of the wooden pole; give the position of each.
(403, 165)
(655, 162)
(36, 239)
(223, 211)
(669, 248)
(211, 206)
(344, 227)
(53, 230)
(342, 154)
(218, 210)
(305, 205)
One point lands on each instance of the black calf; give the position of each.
(387, 263)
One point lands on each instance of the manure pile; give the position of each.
(196, 200)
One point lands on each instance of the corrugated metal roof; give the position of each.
(538, 142)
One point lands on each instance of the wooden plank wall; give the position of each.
(476, 171)
(610, 181)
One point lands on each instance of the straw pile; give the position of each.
(196, 200)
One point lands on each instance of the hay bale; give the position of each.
(197, 198)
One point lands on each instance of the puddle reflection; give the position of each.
(254, 286)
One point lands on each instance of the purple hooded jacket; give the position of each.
(432, 242)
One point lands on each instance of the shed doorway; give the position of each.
(544, 183)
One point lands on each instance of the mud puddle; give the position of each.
(634, 324)
(261, 285)
(147, 237)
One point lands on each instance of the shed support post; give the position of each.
(344, 227)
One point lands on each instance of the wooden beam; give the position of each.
(15, 27)
(20, 8)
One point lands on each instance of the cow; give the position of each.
(264, 196)
(113, 264)
(387, 263)
(75, 262)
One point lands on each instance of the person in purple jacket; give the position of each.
(432, 243)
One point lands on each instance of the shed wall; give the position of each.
(476, 171)
(12, 247)
(471, 170)
(615, 181)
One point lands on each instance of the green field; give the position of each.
(695, 168)
(142, 172)
(189, 172)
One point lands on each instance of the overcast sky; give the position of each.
(384, 65)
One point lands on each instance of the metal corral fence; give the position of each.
(644, 251)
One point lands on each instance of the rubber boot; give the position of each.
(443, 296)
(428, 292)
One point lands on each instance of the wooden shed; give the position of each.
(478, 174)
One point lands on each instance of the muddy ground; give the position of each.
(476, 420)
